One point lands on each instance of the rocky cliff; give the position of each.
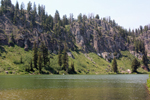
(89, 35)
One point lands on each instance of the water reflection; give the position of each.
(77, 87)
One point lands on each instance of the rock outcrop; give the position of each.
(138, 55)
(90, 35)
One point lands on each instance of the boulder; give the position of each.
(55, 52)
(26, 47)
(138, 55)
(6, 72)
(129, 71)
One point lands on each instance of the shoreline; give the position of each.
(146, 85)
(147, 90)
(83, 74)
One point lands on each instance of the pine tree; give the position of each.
(57, 17)
(71, 19)
(59, 58)
(5, 6)
(12, 12)
(80, 17)
(22, 7)
(34, 14)
(57, 30)
(144, 59)
(135, 65)
(141, 29)
(23, 19)
(49, 22)
(29, 8)
(65, 58)
(44, 52)
(39, 10)
(21, 60)
(84, 18)
(12, 38)
(49, 61)
(65, 20)
(31, 68)
(128, 41)
(14, 20)
(72, 67)
(1, 13)
(143, 48)
(34, 9)
(139, 46)
(43, 16)
(17, 6)
(40, 62)
(2, 6)
(35, 55)
(97, 16)
(146, 28)
(33, 19)
(7, 2)
(31, 25)
(136, 45)
(114, 65)
(15, 17)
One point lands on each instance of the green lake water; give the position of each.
(74, 87)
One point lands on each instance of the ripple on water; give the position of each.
(74, 87)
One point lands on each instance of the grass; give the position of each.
(148, 83)
(89, 63)
(125, 61)
(10, 59)
(83, 65)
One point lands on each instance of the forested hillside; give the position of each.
(34, 42)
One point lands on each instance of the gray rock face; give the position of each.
(26, 47)
(92, 35)
(108, 56)
(55, 52)
(70, 55)
(138, 55)
(97, 40)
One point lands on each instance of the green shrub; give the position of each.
(63, 72)
(10, 72)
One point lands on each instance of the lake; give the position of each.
(73, 87)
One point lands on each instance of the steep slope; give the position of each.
(99, 36)
(92, 41)
(89, 63)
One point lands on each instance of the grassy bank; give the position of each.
(148, 83)
(10, 61)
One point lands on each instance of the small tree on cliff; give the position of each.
(97, 16)
(135, 65)
(114, 65)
